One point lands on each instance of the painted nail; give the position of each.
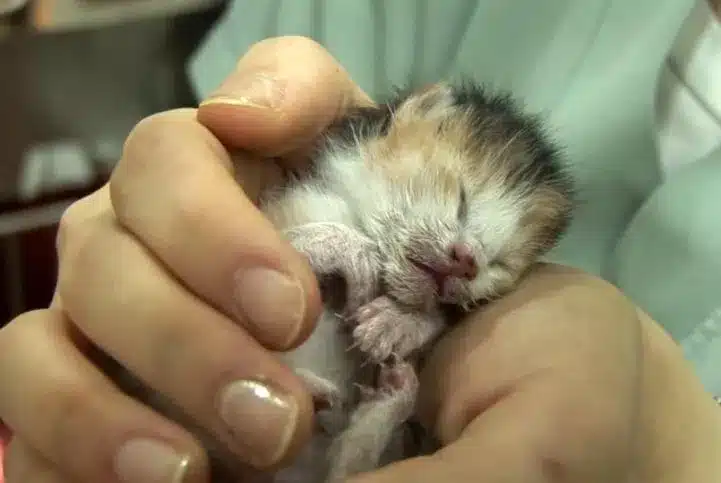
(261, 420)
(257, 90)
(149, 461)
(272, 302)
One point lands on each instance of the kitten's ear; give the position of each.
(433, 102)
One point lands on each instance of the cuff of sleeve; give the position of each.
(696, 56)
(703, 349)
(689, 97)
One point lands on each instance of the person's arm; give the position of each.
(682, 428)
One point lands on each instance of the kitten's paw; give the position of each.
(326, 395)
(399, 377)
(395, 393)
(383, 330)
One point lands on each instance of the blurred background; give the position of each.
(75, 77)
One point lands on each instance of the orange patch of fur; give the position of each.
(431, 136)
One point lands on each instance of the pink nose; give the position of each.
(463, 263)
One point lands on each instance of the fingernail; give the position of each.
(148, 461)
(257, 90)
(272, 302)
(261, 420)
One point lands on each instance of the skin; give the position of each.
(564, 360)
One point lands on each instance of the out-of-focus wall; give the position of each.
(84, 88)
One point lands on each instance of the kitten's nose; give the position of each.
(463, 263)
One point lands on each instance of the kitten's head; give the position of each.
(465, 193)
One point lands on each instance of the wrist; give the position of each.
(680, 421)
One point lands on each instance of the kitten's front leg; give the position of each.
(381, 413)
(385, 328)
(336, 248)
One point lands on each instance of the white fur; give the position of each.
(349, 192)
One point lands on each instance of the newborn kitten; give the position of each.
(442, 197)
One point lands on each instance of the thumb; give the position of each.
(282, 94)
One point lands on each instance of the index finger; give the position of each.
(174, 190)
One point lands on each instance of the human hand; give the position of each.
(562, 380)
(160, 270)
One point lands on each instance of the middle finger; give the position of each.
(124, 301)
(174, 189)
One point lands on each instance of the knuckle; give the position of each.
(81, 217)
(151, 131)
(78, 258)
(16, 334)
(145, 160)
(140, 151)
(69, 223)
(190, 204)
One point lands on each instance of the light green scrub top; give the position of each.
(592, 67)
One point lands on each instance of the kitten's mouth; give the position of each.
(448, 289)
(437, 275)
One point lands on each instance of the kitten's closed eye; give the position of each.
(499, 265)
(463, 205)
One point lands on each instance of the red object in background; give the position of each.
(4, 440)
